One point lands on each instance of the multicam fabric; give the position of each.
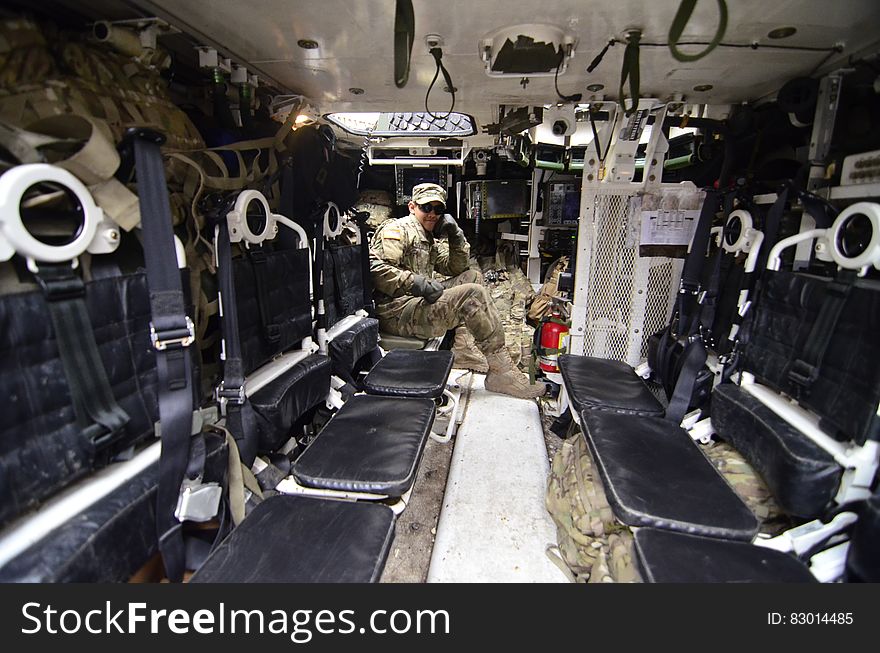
(401, 249)
(594, 546)
(543, 303)
(51, 74)
(748, 485)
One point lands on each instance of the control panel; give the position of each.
(863, 168)
(562, 203)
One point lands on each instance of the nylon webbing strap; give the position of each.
(230, 394)
(805, 370)
(692, 360)
(271, 329)
(366, 277)
(682, 16)
(709, 298)
(172, 332)
(630, 70)
(771, 229)
(404, 35)
(101, 419)
(693, 264)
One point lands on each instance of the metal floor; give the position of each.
(493, 526)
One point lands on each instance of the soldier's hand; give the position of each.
(430, 289)
(447, 227)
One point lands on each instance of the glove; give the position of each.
(447, 227)
(427, 288)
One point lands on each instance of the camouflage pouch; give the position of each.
(592, 544)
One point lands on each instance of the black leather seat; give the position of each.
(297, 539)
(372, 444)
(283, 401)
(655, 475)
(606, 385)
(803, 477)
(667, 557)
(410, 373)
(349, 346)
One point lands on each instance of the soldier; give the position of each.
(409, 302)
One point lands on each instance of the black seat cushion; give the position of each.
(667, 557)
(109, 540)
(347, 348)
(410, 373)
(279, 404)
(42, 447)
(297, 539)
(606, 385)
(802, 476)
(846, 391)
(372, 444)
(655, 475)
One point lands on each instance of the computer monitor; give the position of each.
(506, 199)
(408, 176)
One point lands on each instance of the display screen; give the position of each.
(506, 199)
(571, 207)
(408, 177)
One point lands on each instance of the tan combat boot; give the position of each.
(504, 378)
(465, 352)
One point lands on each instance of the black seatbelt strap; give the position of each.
(258, 259)
(692, 360)
(318, 276)
(804, 371)
(230, 394)
(693, 264)
(708, 298)
(366, 277)
(630, 70)
(771, 230)
(98, 415)
(171, 332)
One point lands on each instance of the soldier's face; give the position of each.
(427, 220)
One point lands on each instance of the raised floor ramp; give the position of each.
(493, 526)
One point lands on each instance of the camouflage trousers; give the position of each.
(464, 301)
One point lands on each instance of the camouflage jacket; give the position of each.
(402, 248)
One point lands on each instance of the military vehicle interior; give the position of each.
(674, 208)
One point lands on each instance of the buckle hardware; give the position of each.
(224, 396)
(173, 338)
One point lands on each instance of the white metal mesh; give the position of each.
(629, 296)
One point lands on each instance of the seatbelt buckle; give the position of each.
(224, 396)
(173, 338)
(198, 501)
(802, 373)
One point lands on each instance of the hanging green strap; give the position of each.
(685, 10)
(630, 70)
(404, 35)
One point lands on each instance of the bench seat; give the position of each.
(606, 385)
(655, 475)
(298, 539)
(372, 444)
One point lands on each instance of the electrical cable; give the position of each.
(437, 53)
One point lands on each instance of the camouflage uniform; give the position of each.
(402, 248)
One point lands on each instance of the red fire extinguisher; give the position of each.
(553, 341)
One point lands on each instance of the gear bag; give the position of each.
(594, 546)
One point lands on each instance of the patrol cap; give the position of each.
(424, 193)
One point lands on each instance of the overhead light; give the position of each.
(782, 32)
(594, 88)
(307, 44)
(699, 88)
(354, 90)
